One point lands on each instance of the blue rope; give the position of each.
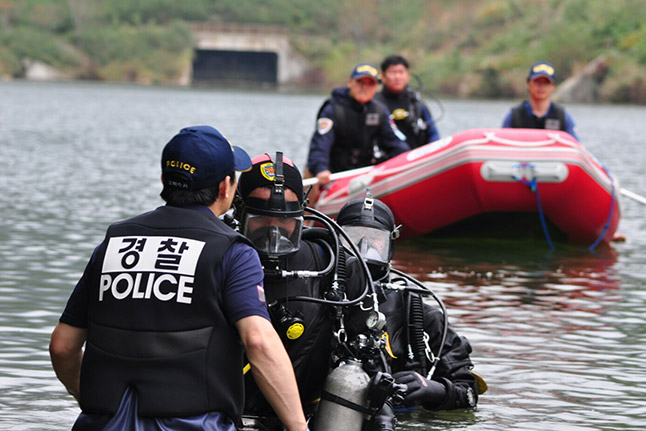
(612, 208)
(534, 187)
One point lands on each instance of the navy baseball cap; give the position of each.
(199, 157)
(542, 69)
(365, 70)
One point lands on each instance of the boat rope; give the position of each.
(612, 208)
(534, 188)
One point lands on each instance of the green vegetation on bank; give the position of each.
(466, 48)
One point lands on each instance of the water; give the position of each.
(558, 335)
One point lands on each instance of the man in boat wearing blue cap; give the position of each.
(539, 112)
(350, 126)
(167, 306)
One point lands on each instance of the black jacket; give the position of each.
(455, 363)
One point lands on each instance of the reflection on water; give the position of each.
(558, 335)
(549, 330)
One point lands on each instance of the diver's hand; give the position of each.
(420, 390)
(384, 420)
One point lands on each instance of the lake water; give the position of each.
(559, 336)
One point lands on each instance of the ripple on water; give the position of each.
(558, 335)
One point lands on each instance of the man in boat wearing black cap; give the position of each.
(167, 306)
(539, 112)
(350, 126)
(406, 107)
(427, 355)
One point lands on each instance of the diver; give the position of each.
(310, 284)
(426, 354)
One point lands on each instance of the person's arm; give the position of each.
(272, 370)
(570, 127)
(433, 134)
(66, 343)
(318, 159)
(506, 123)
(66, 352)
(244, 303)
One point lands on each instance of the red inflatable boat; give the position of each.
(490, 171)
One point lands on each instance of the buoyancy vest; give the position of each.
(554, 120)
(355, 134)
(156, 321)
(406, 110)
(310, 353)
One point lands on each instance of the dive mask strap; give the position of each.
(277, 199)
(367, 210)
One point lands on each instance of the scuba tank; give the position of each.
(344, 401)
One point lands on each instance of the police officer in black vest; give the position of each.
(539, 112)
(350, 125)
(168, 304)
(427, 355)
(406, 107)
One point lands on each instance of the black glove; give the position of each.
(384, 420)
(428, 393)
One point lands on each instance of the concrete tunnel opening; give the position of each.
(218, 66)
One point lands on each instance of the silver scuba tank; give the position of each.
(344, 402)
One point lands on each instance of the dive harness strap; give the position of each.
(345, 403)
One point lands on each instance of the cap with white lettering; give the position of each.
(199, 157)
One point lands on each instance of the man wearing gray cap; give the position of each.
(167, 306)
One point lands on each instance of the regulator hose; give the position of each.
(420, 88)
(416, 329)
(442, 307)
(335, 230)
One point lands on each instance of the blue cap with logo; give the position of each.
(199, 157)
(542, 69)
(365, 70)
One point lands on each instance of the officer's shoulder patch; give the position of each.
(324, 125)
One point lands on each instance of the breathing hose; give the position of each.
(416, 329)
(420, 88)
(335, 230)
(442, 307)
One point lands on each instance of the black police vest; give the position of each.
(409, 104)
(555, 120)
(355, 134)
(156, 321)
(311, 352)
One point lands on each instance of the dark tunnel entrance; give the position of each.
(217, 66)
